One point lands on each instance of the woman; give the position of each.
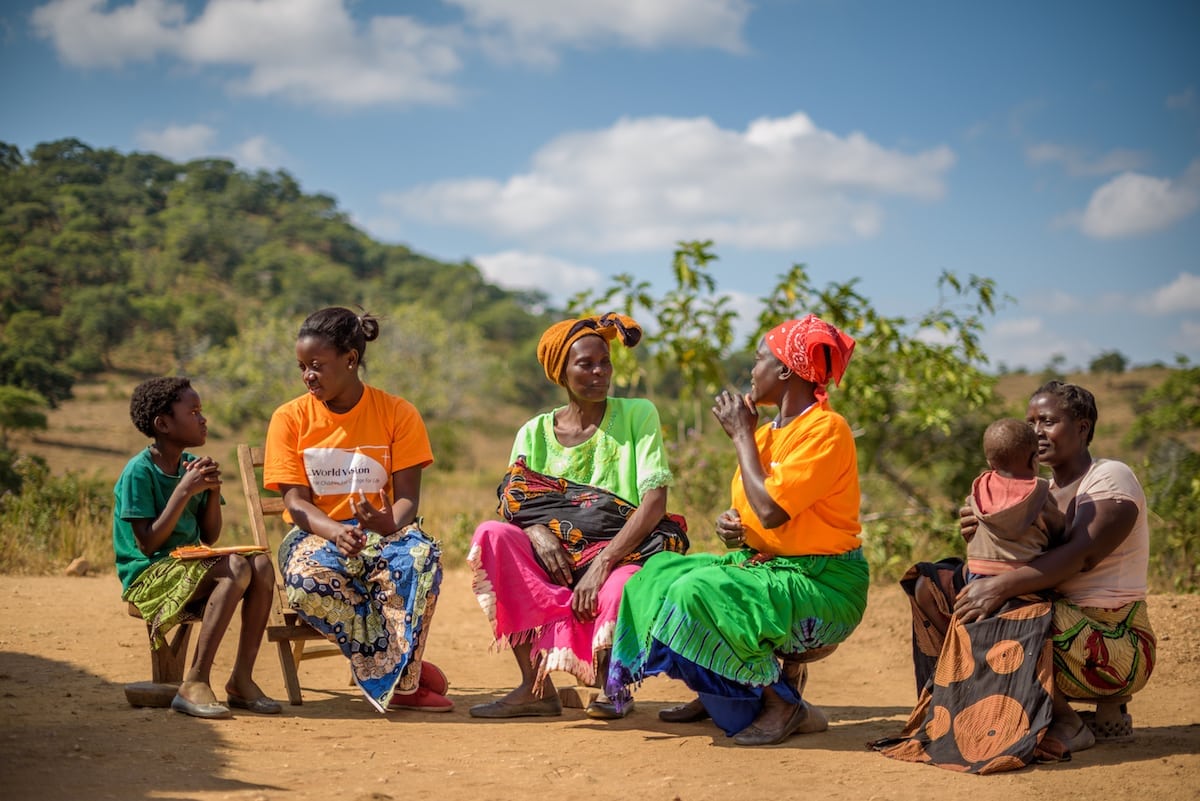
(798, 581)
(584, 502)
(347, 459)
(1101, 645)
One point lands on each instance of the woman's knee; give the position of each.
(497, 534)
(929, 599)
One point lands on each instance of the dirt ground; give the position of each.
(67, 647)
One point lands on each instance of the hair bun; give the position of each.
(369, 325)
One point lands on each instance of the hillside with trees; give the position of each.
(134, 265)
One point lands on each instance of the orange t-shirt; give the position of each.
(811, 468)
(340, 455)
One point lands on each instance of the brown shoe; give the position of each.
(546, 708)
(691, 712)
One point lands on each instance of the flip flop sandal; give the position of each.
(1110, 731)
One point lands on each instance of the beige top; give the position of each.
(1121, 577)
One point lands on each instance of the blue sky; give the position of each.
(1054, 147)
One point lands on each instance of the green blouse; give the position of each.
(625, 456)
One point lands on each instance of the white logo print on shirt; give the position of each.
(339, 471)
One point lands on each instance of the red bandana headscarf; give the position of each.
(801, 346)
(556, 342)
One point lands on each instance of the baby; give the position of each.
(1018, 517)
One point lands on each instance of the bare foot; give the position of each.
(519, 696)
(248, 690)
(1075, 735)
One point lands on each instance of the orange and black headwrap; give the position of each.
(812, 349)
(556, 343)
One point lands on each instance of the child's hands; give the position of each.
(968, 523)
(201, 475)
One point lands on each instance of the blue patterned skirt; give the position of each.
(375, 606)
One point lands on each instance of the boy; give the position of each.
(1018, 517)
(167, 498)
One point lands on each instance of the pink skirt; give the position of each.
(524, 605)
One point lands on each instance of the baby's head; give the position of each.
(1010, 446)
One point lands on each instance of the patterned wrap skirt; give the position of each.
(376, 606)
(163, 592)
(720, 624)
(986, 687)
(1099, 653)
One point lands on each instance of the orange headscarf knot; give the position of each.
(555, 344)
(812, 349)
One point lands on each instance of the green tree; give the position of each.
(20, 410)
(1109, 361)
(1168, 419)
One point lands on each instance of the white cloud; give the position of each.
(179, 142)
(1181, 295)
(559, 279)
(258, 153)
(1133, 204)
(316, 52)
(1077, 163)
(646, 183)
(1030, 343)
(309, 51)
(87, 35)
(533, 30)
(1020, 327)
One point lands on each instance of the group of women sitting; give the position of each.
(587, 572)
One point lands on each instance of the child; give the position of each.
(1018, 517)
(167, 498)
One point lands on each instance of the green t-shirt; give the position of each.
(625, 456)
(141, 493)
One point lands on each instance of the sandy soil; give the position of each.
(67, 647)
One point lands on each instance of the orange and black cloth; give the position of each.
(986, 687)
(583, 518)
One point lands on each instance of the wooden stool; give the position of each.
(166, 665)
